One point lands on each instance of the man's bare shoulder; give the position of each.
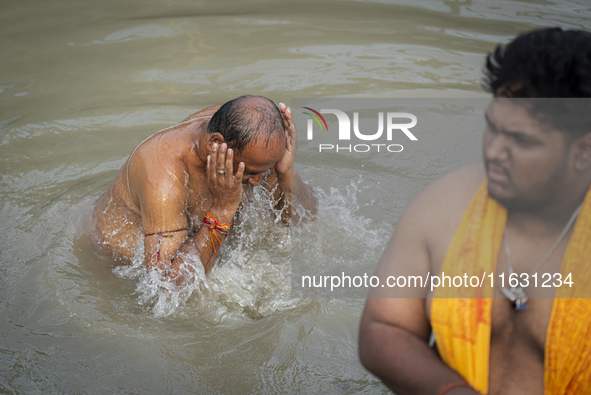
(438, 208)
(454, 190)
(424, 231)
(158, 173)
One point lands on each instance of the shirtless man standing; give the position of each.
(180, 188)
(535, 179)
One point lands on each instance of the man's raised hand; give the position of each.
(285, 163)
(225, 186)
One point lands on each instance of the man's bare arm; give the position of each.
(167, 250)
(400, 356)
(394, 331)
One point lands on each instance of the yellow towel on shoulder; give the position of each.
(462, 324)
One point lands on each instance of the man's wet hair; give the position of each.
(245, 119)
(546, 63)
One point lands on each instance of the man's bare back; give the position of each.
(179, 176)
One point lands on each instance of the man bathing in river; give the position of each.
(526, 210)
(181, 187)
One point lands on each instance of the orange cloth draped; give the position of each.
(462, 323)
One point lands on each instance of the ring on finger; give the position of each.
(220, 171)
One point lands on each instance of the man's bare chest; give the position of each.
(512, 330)
(528, 328)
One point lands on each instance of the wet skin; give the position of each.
(174, 178)
(541, 176)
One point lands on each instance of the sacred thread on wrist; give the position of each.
(214, 224)
(451, 386)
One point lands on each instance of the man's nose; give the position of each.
(496, 146)
(256, 179)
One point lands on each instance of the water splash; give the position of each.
(341, 241)
(252, 275)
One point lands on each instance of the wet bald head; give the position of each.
(247, 119)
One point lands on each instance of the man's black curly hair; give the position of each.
(547, 63)
(245, 119)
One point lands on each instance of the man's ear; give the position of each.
(214, 138)
(506, 90)
(582, 154)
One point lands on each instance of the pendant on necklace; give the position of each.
(517, 297)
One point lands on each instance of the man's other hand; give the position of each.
(285, 163)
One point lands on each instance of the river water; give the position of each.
(82, 83)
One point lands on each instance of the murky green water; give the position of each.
(81, 83)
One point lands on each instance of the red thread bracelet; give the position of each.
(452, 386)
(214, 224)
